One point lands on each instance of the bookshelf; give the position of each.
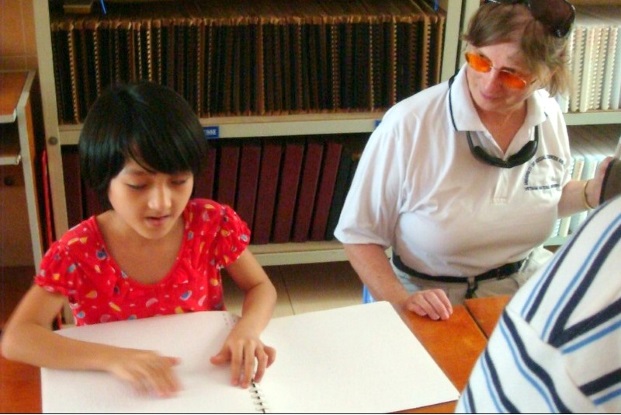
(17, 143)
(61, 134)
(593, 111)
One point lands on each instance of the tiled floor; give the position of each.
(301, 288)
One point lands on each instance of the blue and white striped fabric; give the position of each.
(557, 346)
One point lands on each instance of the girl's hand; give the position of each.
(432, 303)
(243, 350)
(148, 372)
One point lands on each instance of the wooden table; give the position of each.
(20, 387)
(486, 311)
(455, 344)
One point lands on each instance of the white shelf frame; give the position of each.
(299, 253)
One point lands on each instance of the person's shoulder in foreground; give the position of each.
(556, 345)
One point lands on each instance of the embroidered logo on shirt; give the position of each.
(544, 173)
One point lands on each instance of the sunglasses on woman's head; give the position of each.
(556, 15)
(482, 64)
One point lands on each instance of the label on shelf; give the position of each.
(211, 131)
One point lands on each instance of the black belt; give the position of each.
(496, 273)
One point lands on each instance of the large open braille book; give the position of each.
(360, 358)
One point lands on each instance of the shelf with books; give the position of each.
(593, 109)
(320, 57)
(62, 135)
(62, 110)
(590, 144)
(288, 189)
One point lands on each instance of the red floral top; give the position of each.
(79, 267)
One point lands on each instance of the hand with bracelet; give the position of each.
(587, 193)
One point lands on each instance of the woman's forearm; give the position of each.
(374, 269)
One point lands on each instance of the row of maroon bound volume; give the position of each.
(286, 189)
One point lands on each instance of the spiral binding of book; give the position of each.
(258, 398)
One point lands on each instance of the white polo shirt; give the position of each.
(419, 189)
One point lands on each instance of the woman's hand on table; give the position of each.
(432, 303)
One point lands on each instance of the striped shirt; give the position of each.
(557, 345)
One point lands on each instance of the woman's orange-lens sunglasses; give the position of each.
(482, 64)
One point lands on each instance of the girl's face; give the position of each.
(489, 91)
(150, 203)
